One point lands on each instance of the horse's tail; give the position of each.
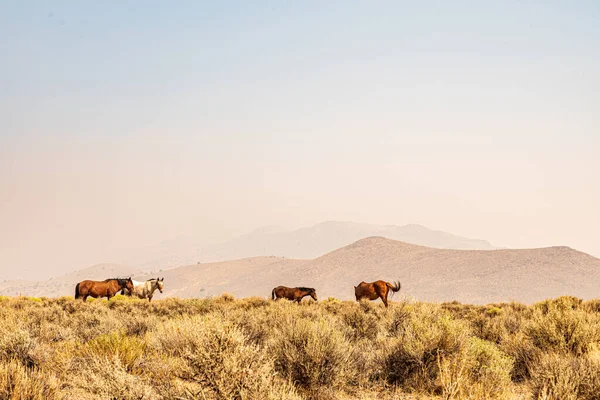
(77, 291)
(394, 286)
(273, 294)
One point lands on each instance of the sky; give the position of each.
(127, 123)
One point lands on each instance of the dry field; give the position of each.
(254, 348)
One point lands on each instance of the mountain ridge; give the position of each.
(469, 276)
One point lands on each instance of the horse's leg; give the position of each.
(383, 294)
(149, 298)
(384, 299)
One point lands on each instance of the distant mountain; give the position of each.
(471, 276)
(310, 242)
(322, 238)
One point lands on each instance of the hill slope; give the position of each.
(466, 275)
(471, 276)
(426, 273)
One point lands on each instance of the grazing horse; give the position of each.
(294, 294)
(107, 288)
(145, 290)
(373, 290)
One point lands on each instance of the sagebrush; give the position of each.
(254, 348)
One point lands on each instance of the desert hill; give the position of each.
(471, 276)
(426, 273)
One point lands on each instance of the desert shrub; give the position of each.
(21, 383)
(16, 343)
(28, 298)
(254, 302)
(225, 298)
(591, 306)
(127, 349)
(566, 377)
(563, 330)
(428, 332)
(490, 369)
(258, 324)
(362, 324)
(255, 348)
(94, 320)
(221, 359)
(332, 305)
(104, 378)
(313, 354)
(496, 324)
(563, 303)
(524, 353)
(173, 307)
(479, 371)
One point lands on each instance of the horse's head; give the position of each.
(129, 285)
(159, 284)
(313, 294)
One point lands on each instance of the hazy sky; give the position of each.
(123, 124)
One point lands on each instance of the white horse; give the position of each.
(145, 290)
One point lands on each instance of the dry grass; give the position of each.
(254, 348)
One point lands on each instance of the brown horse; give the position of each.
(373, 290)
(294, 294)
(107, 288)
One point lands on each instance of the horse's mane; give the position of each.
(121, 281)
(306, 289)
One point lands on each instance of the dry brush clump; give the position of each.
(254, 348)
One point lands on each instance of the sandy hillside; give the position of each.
(473, 276)
(466, 275)
(245, 277)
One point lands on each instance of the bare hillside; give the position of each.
(465, 275)
(245, 277)
(426, 273)
(473, 276)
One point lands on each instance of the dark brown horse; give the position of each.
(294, 294)
(107, 288)
(373, 290)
